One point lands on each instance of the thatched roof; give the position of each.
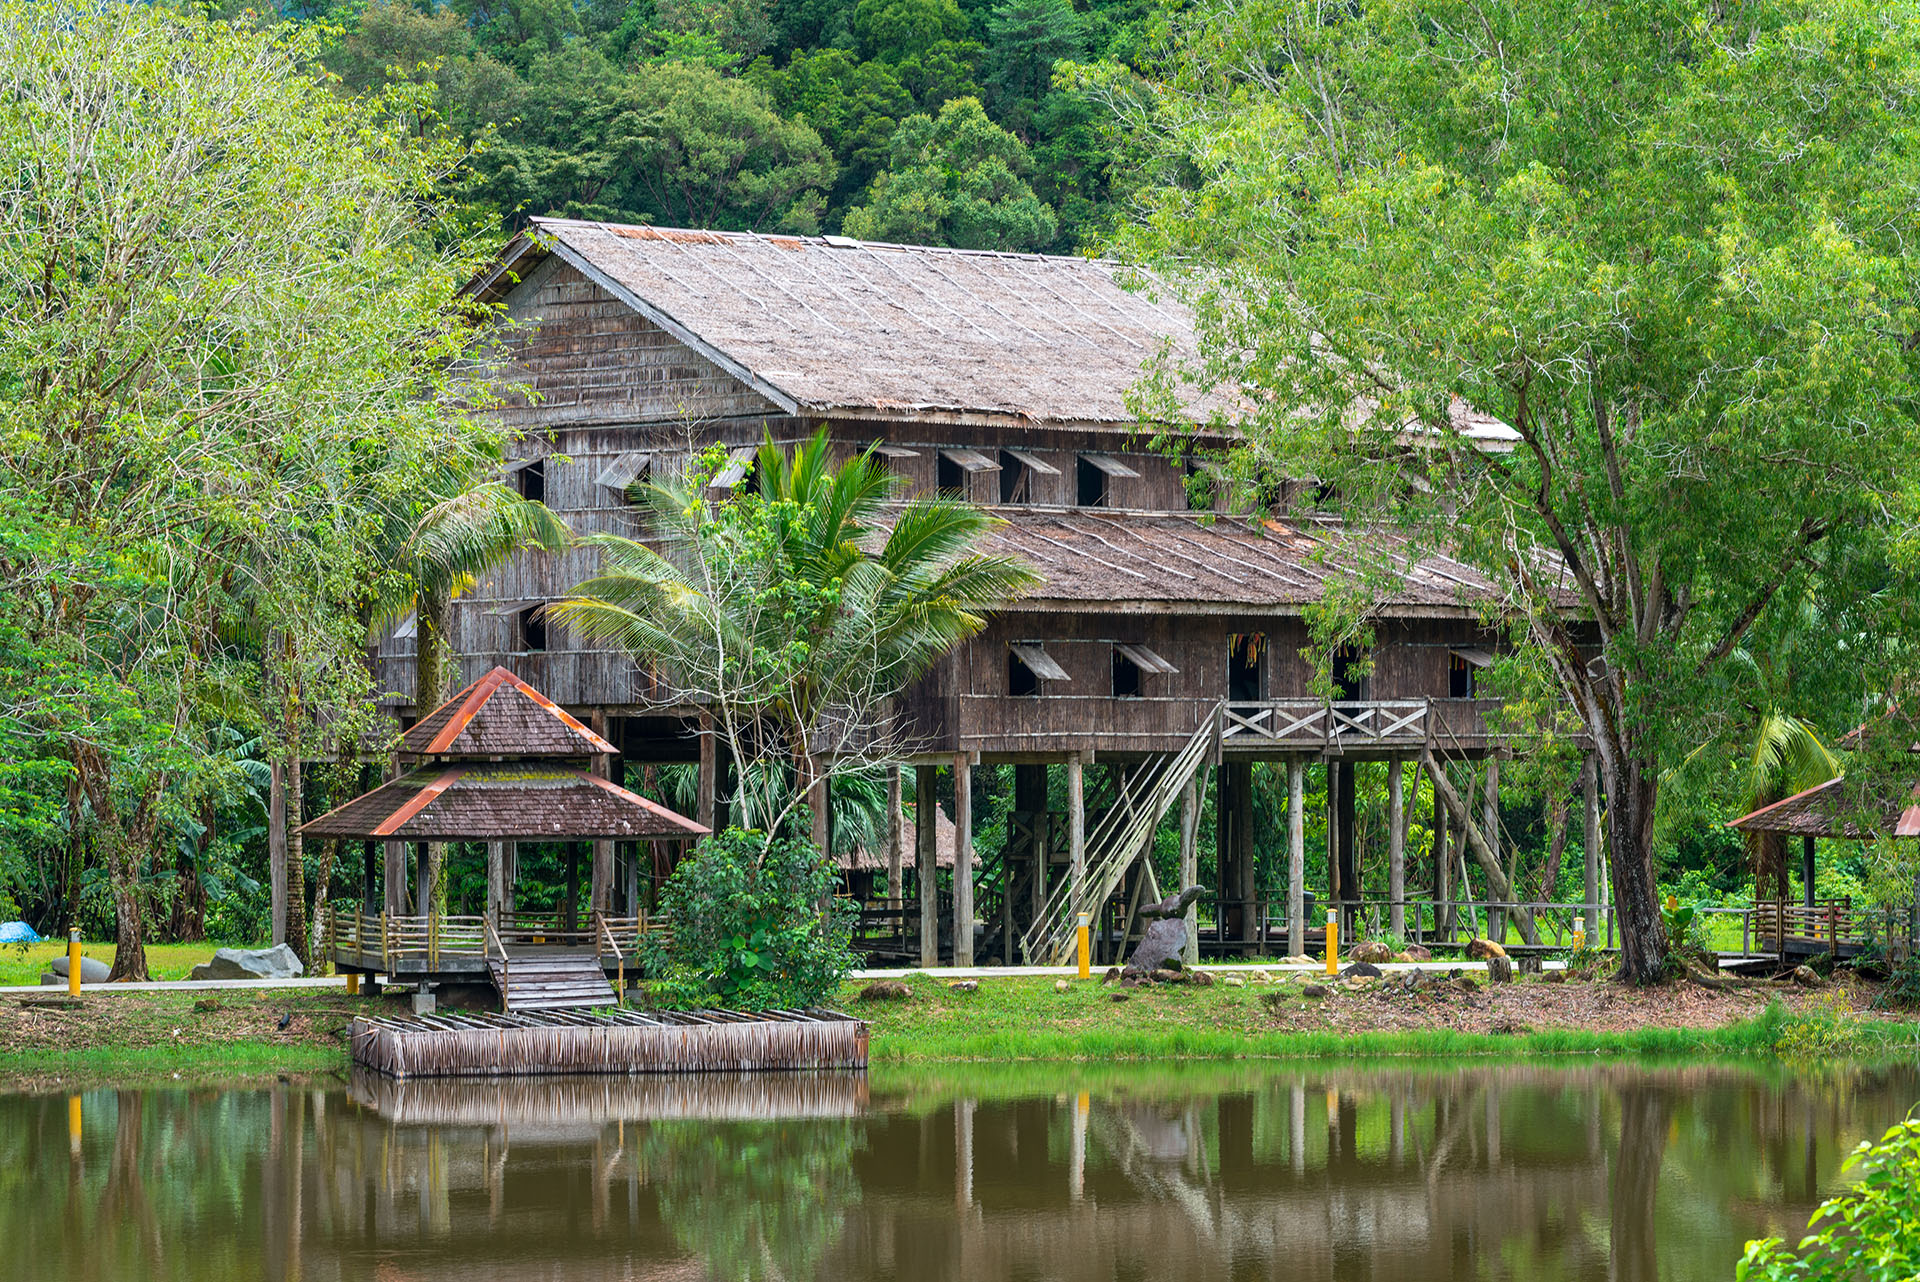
(1819, 811)
(500, 801)
(1123, 559)
(501, 716)
(945, 843)
(828, 324)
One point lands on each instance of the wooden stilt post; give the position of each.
(1077, 834)
(1807, 872)
(926, 871)
(962, 860)
(1190, 865)
(1490, 825)
(1590, 788)
(1442, 869)
(1296, 857)
(1396, 850)
(1334, 889)
(1349, 850)
(896, 837)
(600, 890)
(496, 880)
(709, 774)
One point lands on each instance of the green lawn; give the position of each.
(23, 964)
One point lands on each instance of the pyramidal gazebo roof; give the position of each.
(501, 801)
(501, 716)
(1821, 812)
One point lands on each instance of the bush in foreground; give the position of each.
(1870, 1233)
(752, 924)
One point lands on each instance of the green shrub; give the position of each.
(752, 923)
(1870, 1233)
(1903, 987)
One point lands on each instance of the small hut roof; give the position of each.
(1122, 559)
(501, 716)
(501, 801)
(1819, 811)
(860, 859)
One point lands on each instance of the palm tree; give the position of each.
(439, 556)
(1787, 757)
(795, 613)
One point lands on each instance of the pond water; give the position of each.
(1038, 1172)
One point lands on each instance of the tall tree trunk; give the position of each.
(1633, 789)
(124, 856)
(296, 857)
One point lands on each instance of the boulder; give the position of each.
(92, 969)
(1462, 984)
(1315, 990)
(1232, 981)
(1481, 949)
(1160, 946)
(1061, 985)
(1554, 977)
(1368, 950)
(1112, 976)
(1120, 997)
(1419, 954)
(1362, 970)
(277, 962)
(1808, 977)
(964, 986)
(1165, 976)
(48, 979)
(885, 990)
(1200, 979)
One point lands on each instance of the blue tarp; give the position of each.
(17, 932)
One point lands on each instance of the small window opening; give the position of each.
(1348, 683)
(1202, 485)
(1459, 678)
(1022, 681)
(1016, 480)
(532, 629)
(1244, 653)
(531, 481)
(1126, 676)
(1092, 484)
(952, 479)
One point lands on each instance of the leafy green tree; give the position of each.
(796, 613)
(1025, 38)
(520, 32)
(1669, 244)
(1866, 1234)
(393, 40)
(898, 29)
(954, 179)
(225, 335)
(854, 106)
(748, 930)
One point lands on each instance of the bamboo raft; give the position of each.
(538, 1043)
(585, 1104)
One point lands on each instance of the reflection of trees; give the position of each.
(754, 1200)
(1644, 1114)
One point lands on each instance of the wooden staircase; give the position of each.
(551, 981)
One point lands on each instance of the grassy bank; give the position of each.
(126, 1038)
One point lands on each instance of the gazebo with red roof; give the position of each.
(500, 763)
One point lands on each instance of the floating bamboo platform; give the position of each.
(583, 1105)
(482, 1044)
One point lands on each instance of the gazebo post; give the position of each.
(926, 865)
(496, 880)
(962, 860)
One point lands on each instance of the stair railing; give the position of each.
(493, 945)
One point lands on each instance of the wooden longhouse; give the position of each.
(1165, 646)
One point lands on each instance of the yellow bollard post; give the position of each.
(1083, 944)
(353, 983)
(73, 961)
(73, 1125)
(1333, 941)
(1579, 933)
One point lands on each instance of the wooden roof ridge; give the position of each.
(501, 801)
(545, 729)
(1802, 814)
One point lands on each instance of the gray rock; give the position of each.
(1315, 990)
(1362, 970)
(277, 962)
(1163, 941)
(49, 979)
(92, 970)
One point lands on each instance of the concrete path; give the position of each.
(1280, 966)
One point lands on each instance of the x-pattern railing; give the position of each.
(1327, 722)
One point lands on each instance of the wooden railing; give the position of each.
(544, 928)
(432, 938)
(1352, 723)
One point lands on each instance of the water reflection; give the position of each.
(1608, 1172)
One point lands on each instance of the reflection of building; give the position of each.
(1216, 1174)
(1002, 378)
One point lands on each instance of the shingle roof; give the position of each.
(1817, 813)
(1125, 557)
(818, 324)
(501, 716)
(503, 801)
